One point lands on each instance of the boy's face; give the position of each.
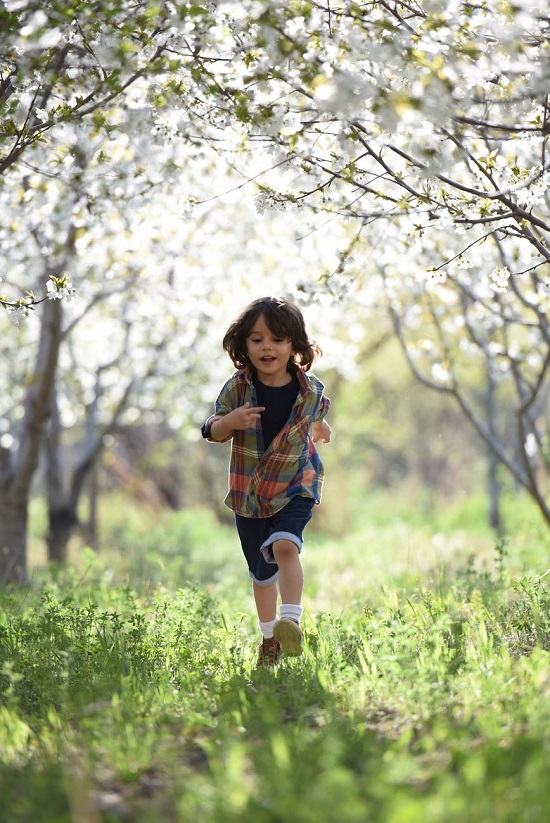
(269, 354)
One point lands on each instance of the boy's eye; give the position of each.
(275, 339)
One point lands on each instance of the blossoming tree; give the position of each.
(422, 124)
(425, 125)
(75, 81)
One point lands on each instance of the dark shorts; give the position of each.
(257, 536)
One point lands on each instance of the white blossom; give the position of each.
(463, 262)
(60, 291)
(437, 276)
(261, 203)
(530, 445)
(344, 92)
(18, 312)
(38, 20)
(534, 194)
(440, 373)
(499, 277)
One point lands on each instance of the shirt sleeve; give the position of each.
(322, 411)
(225, 402)
(323, 403)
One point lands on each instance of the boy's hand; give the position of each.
(244, 417)
(320, 430)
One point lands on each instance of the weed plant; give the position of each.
(423, 694)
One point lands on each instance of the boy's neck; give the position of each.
(275, 381)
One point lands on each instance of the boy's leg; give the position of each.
(291, 580)
(266, 606)
(284, 545)
(266, 601)
(291, 575)
(264, 576)
(279, 539)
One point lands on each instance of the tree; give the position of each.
(426, 126)
(486, 349)
(18, 464)
(88, 387)
(78, 73)
(413, 122)
(360, 98)
(74, 78)
(138, 342)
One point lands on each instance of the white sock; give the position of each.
(291, 611)
(267, 628)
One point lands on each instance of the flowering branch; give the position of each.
(57, 288)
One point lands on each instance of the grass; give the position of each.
(128, 689)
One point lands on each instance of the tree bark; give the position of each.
(17, 468)
(493, 484)
(493, 488)
(13, 540)
(63, 495)
(91, 526)
(61, 524)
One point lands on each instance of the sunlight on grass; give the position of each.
(147, 707)
(129, 690)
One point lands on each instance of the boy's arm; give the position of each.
(320, 430)
(206, 430)
(220, 428)
(225, 403)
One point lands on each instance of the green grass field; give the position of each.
(128, 690)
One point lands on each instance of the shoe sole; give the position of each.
(290, 638)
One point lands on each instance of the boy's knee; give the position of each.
(283, 549)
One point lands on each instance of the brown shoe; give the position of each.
(269, 652)
(289, 635)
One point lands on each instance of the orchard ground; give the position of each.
(128, 689)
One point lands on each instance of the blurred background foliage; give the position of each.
(401, 200)
(404, 464)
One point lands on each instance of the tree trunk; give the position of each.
(63, 495)
(61, 524)
(493, 484)
(91, 527)
(493, 488)
(13, 540)
(17, 469)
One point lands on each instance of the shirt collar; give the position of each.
(248, 374)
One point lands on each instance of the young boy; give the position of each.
(273, 411)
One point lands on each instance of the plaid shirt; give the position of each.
(261, 483)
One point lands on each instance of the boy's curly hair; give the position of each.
(283, 319)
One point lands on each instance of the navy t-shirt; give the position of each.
(278, 402)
